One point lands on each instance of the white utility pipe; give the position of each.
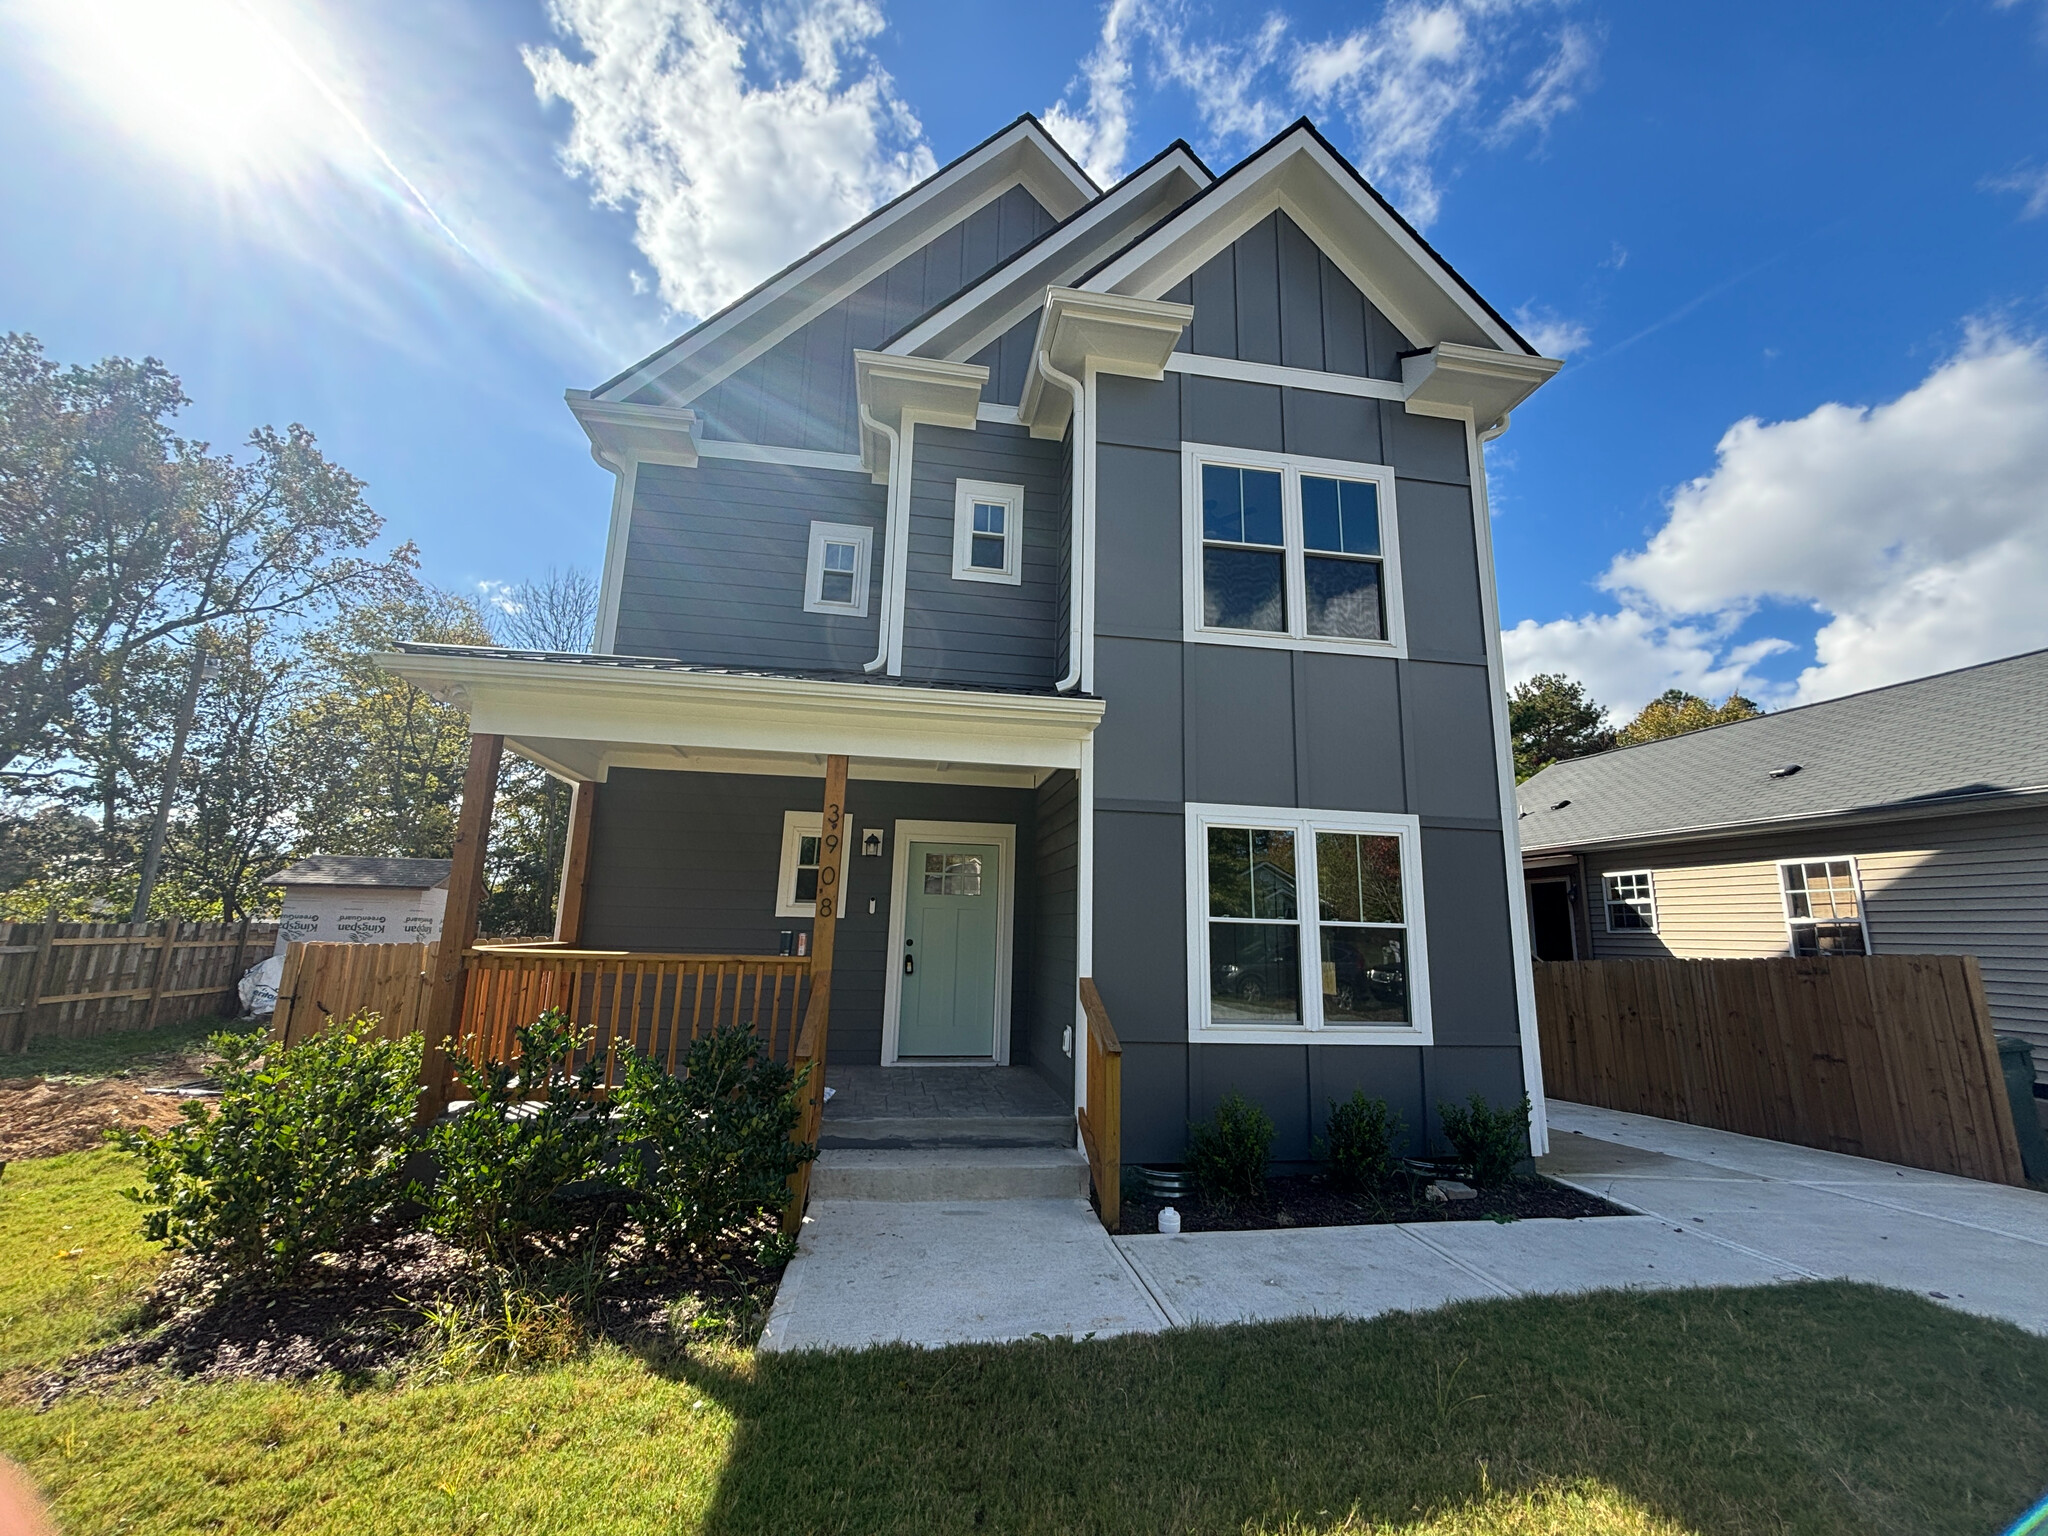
(1076, 542)
(889, 434)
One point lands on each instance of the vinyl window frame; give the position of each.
(1291, 467)
(1608, 902)
(796, 826)
(1311, 1028)
(1011, 498)
(862, 538)
(1792, 924)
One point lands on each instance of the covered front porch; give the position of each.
(881, 878)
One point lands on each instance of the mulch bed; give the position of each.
(1310, 1200)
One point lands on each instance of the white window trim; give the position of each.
(1292, 466)
(1312, 1029)
(863, 540)
(1607, 905)
(1855, 880)
(1011, 498)
(796, 826)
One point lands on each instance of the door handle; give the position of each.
(909, 965)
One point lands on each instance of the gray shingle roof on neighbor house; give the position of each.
(1968, 738)
(351, 869)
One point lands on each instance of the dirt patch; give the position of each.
(1310, 1200)
(43, 1116)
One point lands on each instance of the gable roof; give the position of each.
(969, 320)
(1963, 739)
(1021, 154)
(351, 869)
(1302, 173)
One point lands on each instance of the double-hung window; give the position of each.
(1305, 923)
(1631, 902)
(836, 571)
(1291, 551)
(988, 532)
(1824, 907)
(796, 885)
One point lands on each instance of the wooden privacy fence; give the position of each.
(1882, 1056)
(75, 979)
(657, 1003)
(1102, 1117)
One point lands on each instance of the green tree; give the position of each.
(1675, 712)
(1551, 718)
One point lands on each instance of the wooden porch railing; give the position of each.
(1102, 1117)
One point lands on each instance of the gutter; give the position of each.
(889, 521)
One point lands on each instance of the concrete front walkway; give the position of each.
(1715, 1209)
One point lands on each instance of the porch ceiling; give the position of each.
(580, 717)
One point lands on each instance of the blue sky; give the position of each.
(411, 226)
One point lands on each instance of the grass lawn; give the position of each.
(1824, 1408)
(97, 1056)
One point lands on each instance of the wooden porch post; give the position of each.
(575, 865)
(811, 1043)
(458, 924)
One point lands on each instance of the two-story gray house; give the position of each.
(1132, 546)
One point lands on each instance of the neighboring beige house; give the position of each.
(348, 899)
(1907, 820)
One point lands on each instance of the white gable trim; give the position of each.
(1300, 176)
(1022, 155)
(964, 325)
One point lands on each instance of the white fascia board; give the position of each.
(1083, 332)
(1300, 177)
(621, 434)
(627, 709)
(1022, 156)
(964, 325)
(898, 391)
(1476, 382)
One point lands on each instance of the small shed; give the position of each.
(347, 899)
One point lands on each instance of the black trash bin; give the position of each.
(2016, 1057)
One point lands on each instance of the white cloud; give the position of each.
(1550, 333)
(1916, 529)
(1420, 72)
(2030, 181)
(736, 148)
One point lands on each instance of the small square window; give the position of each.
(988, 532)
(1824, 907)
(836, 574)
(796, 886)
(1631, 902)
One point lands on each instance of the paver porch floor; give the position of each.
(933, 1093)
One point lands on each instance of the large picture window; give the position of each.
(1305, 923)
(1290, 551)
(1824, 907)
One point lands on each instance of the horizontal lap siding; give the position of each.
(1058, 833)
(980, 631)
(799, 394)
(1730, 910)
(715, 566)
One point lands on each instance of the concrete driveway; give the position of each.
(1713, 1209)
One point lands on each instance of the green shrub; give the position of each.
(1359, 1140)
(305, 1148)
(1228, 1153)
(1493, 1143)
(711, 1148)
(505, 1166)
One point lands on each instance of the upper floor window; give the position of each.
(1824, 907)
(836, 574)
(988, 532)
(1305, 922)
(1631, 902)
(1291, 551)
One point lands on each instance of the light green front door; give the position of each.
(950, 917)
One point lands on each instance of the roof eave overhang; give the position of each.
(614, 711)
(621, 433)
(1478, 383)
(1099, 332)
(896, 391)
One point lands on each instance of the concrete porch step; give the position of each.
(950, 1173)
(903, 1132)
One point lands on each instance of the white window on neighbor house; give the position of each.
(1631, 902)
(836, 575)
(1824, 907)
(1290, 551)
(988, 532)
(796, 888)
(1305, 923)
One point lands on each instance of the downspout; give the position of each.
(1076, 543)
(901, 476)
(889, 434)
